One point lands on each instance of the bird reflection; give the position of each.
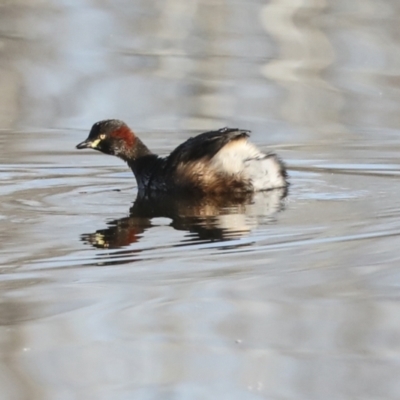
(207, 218)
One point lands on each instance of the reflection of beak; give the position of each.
(88, 144)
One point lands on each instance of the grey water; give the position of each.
(283, 296)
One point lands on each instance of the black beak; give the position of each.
(86, 144)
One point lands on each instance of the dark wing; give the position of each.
(205, 145)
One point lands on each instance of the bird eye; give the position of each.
(102, 136)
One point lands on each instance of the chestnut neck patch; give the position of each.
(125, 134)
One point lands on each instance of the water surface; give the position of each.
(279, 296)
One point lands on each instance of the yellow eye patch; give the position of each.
(94, 144)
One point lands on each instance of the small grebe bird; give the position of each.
(219, 162)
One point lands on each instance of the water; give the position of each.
(275, 297)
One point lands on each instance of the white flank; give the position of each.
(243, 159)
